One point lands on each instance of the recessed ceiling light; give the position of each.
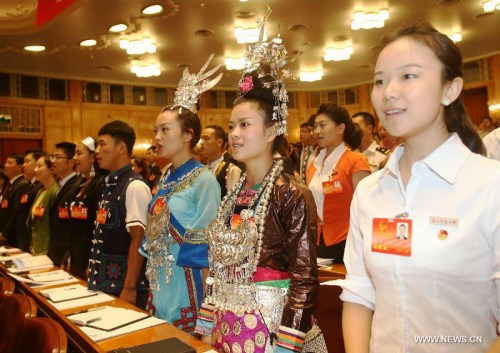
(244, 14)
(298, 27)
(204, 32)
(118, 28)
(35, 48)
(152, 10)
(183, 66)
(447, 2)
(483, 15)
(341, 38)
(88, 43)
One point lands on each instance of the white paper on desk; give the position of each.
(74, 292)
(50, 276)
(16, 256)
(77, 303)
(323, 262)
(99, 335)
(4, 250)
(31, 263)
(35, 284)
(334, 282)
(118, 318)
(92, 315)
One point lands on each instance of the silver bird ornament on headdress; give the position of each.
(270, 56)
(191, 86)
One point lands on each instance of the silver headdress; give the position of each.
(269, 58)
(191, 86)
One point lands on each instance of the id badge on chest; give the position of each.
(63, 213)
(392, 236)
(79, 212)
(332, 187)
(102, 214)
(5, 203)
(24, 198)
(39, 211)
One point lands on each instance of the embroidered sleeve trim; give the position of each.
(290, 339)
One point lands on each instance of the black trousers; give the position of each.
(335, 252)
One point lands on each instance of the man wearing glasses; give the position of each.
(63, 167)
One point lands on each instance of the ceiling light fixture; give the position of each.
(88, 43)
(491, 5)
(456, 37)
(34, 48)
(142, 69)
(369, 20)
(118, 28)
(338, 54)
(234, 63)
(310, 76)
(152, 10)
(248, 35)
(138, 46)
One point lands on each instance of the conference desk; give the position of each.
(79, 342)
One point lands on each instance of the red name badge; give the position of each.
(24, 198)
(39, 211)
(102, 214)
(154, 190)
(237, 220)
(5, 203)
(79, 212)
(332, 187)
(152, 177)
(63, 213)
(158, 206)
(392, 236)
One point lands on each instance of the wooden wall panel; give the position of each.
(57, 125)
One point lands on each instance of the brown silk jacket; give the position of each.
(289, 245)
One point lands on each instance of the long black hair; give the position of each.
(456, 117)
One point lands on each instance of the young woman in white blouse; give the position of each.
(437, 289)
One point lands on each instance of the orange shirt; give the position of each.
(337, 204)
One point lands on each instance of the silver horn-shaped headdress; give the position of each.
(191, 86)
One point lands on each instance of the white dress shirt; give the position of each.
(492, 144)
(323, 173)
(215, 164)
(374, 156)
(447, 288)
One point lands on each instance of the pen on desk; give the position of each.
(88, 310)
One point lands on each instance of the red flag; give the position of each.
(48, 9)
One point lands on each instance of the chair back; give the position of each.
(14, 310)
(7, 287)
(41, 335)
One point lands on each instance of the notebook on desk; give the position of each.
(170, 345)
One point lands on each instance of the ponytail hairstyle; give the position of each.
(339, 115)
(258, 89)
(455, 115)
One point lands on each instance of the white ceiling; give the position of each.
(178, 44)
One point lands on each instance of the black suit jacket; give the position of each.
(23, 233)
(60, 222)
(9, 214)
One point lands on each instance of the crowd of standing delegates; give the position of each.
(420, 234)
